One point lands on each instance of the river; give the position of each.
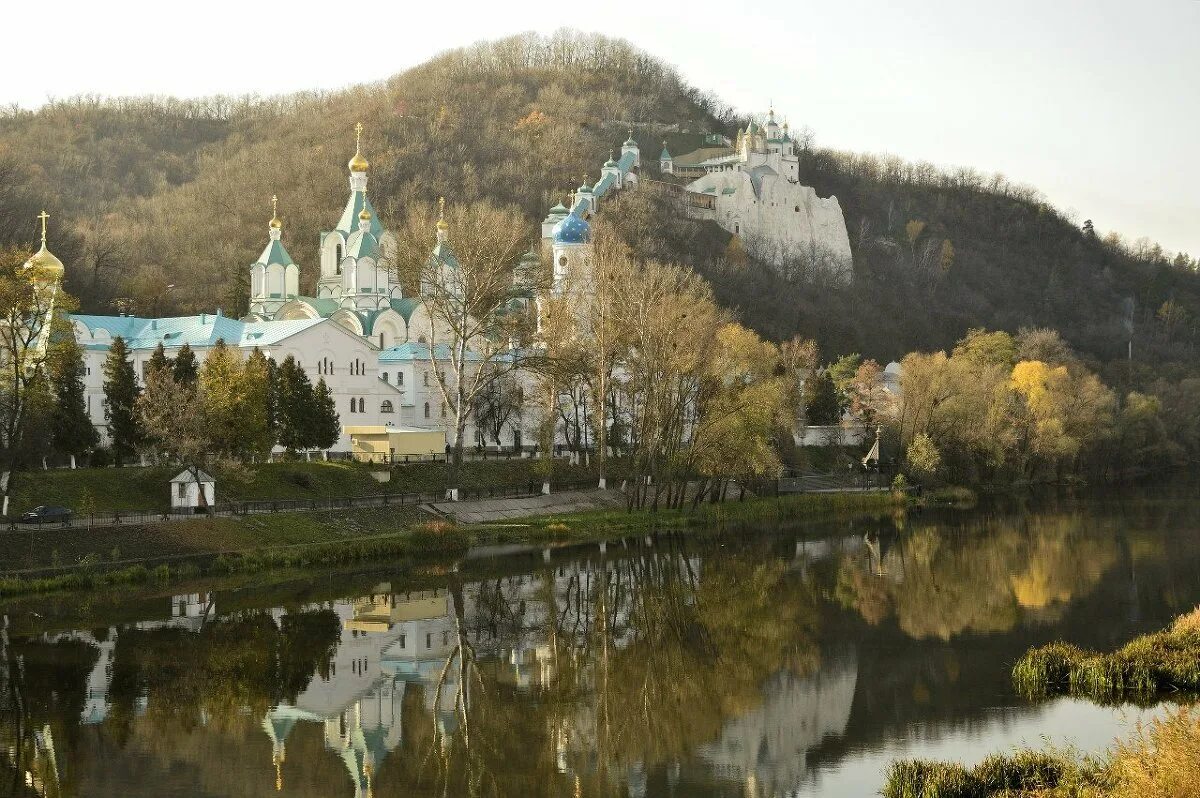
(763, 662)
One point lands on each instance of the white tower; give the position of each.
(274, 277)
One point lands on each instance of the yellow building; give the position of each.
(379, 444)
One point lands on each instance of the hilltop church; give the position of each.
(369, 341)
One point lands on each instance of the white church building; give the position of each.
(754, 192)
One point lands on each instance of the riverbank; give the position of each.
(221, 546)
(1161, 760)
(1148, 665)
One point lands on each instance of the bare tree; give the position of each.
(474, 286)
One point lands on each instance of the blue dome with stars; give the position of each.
(572, 230)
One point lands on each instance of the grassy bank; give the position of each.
(1146, 666)
(146, 488)
(184, 550)
(1161, 761)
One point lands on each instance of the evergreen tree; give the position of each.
(186, 372)
(325, 426)
(255, 412)
(272, 410)
(37, 434)
(159, 360)
(295, 406)
(120, 393)
(221, 393)
(821, 402)
(73, 431)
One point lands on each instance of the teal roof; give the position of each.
(664, 155)
(349, 221)
(582, 206)
(442, 253)
(195, 331)
(405, 307)
(585, 187)
(729, 190)
(604, 184)
(323, 306)
(405, 353)
(626, 163)
(275, 253)
(362, 245)
(559, 210)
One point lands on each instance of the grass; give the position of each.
(1161, 760)
(146, 488)
(284, 540)
(1150, 664)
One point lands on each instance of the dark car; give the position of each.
(47, 514)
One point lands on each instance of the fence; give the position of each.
(263, 506)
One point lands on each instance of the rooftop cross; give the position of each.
(358, 137)
(43, 216)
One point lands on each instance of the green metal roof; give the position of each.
(275, 253)
(203, 330)
(349, 221)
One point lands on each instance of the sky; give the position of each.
(1096, 104)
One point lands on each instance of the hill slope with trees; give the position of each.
(160, 205)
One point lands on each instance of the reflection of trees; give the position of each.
(41, 698)
(938, 584)
(641, 660)
(247, 661)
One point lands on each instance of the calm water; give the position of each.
(791, 662)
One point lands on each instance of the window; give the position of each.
(386, 407)
(428, 640)
(182, 490)
(426, 379)
(383, 375)
(403, 639)
(399, 377)
(427, 410)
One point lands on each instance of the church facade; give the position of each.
(754, 192)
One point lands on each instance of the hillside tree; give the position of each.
(121, 392)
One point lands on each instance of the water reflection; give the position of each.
(759, 665)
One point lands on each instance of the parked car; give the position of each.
(47, 514)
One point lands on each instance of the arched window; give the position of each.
(427, 410)
(383, 375)
(399, 377)
(386, 407)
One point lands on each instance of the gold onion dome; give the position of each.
(441, 224)
(364, 215)
(358, 163)
(44, 260)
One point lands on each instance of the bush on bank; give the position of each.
(1153, 663)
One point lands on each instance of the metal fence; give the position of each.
(258, 507)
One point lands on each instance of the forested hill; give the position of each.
(146, 194)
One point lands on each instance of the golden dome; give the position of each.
(358, 163)
(441, 223)
(276, 223)
(45, 262)
(364, 215)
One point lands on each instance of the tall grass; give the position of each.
(1145, 666)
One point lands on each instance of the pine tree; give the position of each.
(120, 393)
(295, 406)
(186, 372)
(74, 433)
(272, 410)
(821, 402)
(325, 425)
(159, 360)
(255, 406)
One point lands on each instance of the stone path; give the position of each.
(478, 511)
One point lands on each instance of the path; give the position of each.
(477, 511)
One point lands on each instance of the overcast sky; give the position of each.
(1097, 103)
